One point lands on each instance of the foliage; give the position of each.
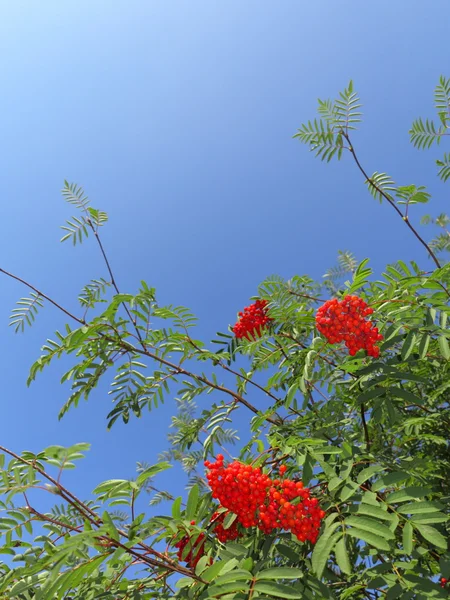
(370, 437)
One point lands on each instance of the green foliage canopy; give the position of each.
(369, 436)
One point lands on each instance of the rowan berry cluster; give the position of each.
(443, 582)
(346, 321)
(259, 501)
(195, 553)
(252, 320)
(224, 535)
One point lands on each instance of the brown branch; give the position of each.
(31, 287)
(129, 347)
(314, 299)
(391, 202)
(79, 505)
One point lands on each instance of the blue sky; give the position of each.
(177, 118)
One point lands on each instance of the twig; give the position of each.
(129, 347)
(404, 218)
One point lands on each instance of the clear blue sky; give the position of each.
(177, 118)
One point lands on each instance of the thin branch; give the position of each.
(31, 287)
(129, 347)
(80, 507)
(313, 298)
(404, 218)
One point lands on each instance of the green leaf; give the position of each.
(415, 508)
(368, 472)
(308, 467)
(291, 394)
(432, 535)
(176, 508)
(444, 347)
(151, 472)
(280, 573)
(348, 490)
(374, 511)
(430, 518)
(192, 502)
(229, 520)
(366, 536)
(278, 590)
(423, 345)
(235, 575)
(408, 493)
(110, 526)
(390, 479)
(370, 525)
(343, 562)
(394, 592)
(335, 482)
(408, 538)
(323, 548)
(213, 571)
(408, 345)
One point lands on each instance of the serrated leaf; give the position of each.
(213, 571)
(277, 590)
(374, 511)
(366, 536)
(341, 554)
(444, 347)
(408, 493)
(323, 548)
(229, 520)
(109, 523)
(176, 508)
(407, 536)
(415, 508)
(423, 345)
(151, 472)
(236, 575)
(432, 535)
(227, 588)
(368, 472)
(334, 483)
(394, 592)
(280, 573)
(192, 502)
(390, 479)
(348, 490)
(408, 345)
(370, 525)
(430, 518)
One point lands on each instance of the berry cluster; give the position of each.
(252, 320)
(346, 321)
(259, 501)
(224, 535)
(443, 582)
(195, 553)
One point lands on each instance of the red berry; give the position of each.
(346, 321)
(252, 320)
(258, 501)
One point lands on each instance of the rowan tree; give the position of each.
(342, 488)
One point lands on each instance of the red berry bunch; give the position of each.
(346, 321)
(252, 320)
(259, 501)
(195, 553)
(443, 582)
(224, 535)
